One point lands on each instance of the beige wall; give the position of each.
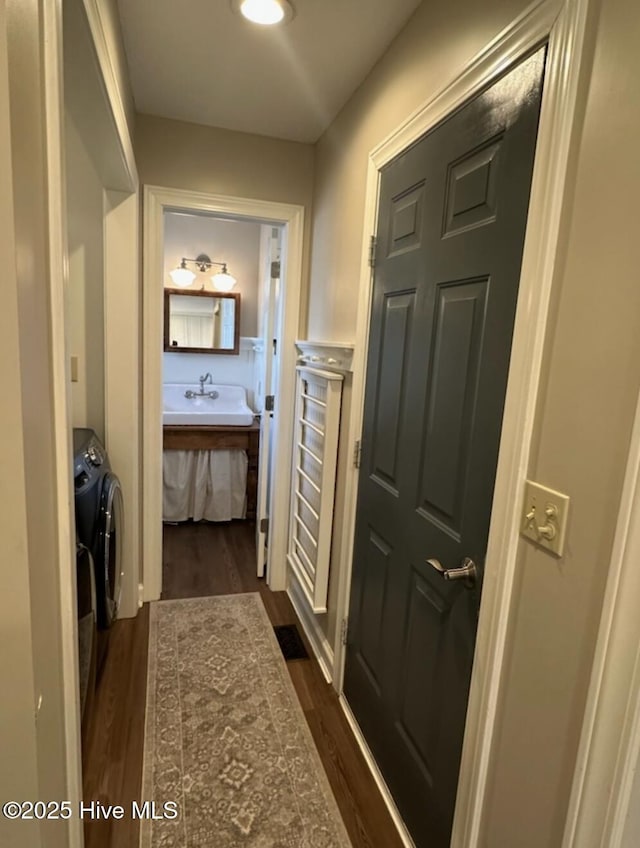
(174, 154)
(17, 722)
(93, 162)
(439, 38)
(583, 426)
(85, 212)
(589, 387)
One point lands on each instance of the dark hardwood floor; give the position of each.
(112, 755)
(214, 559)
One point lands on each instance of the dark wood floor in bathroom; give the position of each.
(214, 559)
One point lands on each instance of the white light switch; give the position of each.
(544, 516)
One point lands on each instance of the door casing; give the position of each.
(268, 306)
(156, 201)
(561, 23)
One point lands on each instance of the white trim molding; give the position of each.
(122, 373)
(333, 356)
(312, 630)
(562, 24)
(157, 200)
(63, 497)
(109, 79)
(384, 790)
(609, 751)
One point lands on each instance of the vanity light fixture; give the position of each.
(264, 12)
(223, 281)
(183, 277)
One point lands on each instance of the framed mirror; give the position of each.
(201, 322)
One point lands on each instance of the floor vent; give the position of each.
(290, 642)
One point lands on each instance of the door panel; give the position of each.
(406, 220)
(396, 326)
(472, 184)
(452, 384)
(379, 556)
(452, 218)
(426, 625)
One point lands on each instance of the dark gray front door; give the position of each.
(452, 217)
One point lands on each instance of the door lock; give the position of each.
(467, 571)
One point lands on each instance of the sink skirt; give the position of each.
(208, 485)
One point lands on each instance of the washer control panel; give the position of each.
(91, 458)
(94, 455)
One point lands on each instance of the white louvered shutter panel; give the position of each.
(318, 398)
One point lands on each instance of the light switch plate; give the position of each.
(544, 517)
(74, 369)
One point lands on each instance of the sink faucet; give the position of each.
(206, 378)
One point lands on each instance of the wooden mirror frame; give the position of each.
(169, 348)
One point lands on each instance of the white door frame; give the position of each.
(605, 787)
(268, 301)
(121, 308)
(562, 23)
(157, 200)
(58, 261)
(121, 380)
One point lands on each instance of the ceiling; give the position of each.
(198, 61)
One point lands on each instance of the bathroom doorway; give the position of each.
(259, 245)
(221, 349)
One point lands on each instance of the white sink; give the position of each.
(228, 408)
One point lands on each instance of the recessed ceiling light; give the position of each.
(264, 12)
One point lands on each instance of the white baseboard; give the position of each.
(314, 633)
(404, 834)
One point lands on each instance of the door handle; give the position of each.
(467, 571)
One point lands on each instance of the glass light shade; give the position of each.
(182, 277)
(223, 282)
(265, 12)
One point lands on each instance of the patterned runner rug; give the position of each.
(226, 738)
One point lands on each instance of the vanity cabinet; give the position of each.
(204, 437)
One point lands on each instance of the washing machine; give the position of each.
(99, 520)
